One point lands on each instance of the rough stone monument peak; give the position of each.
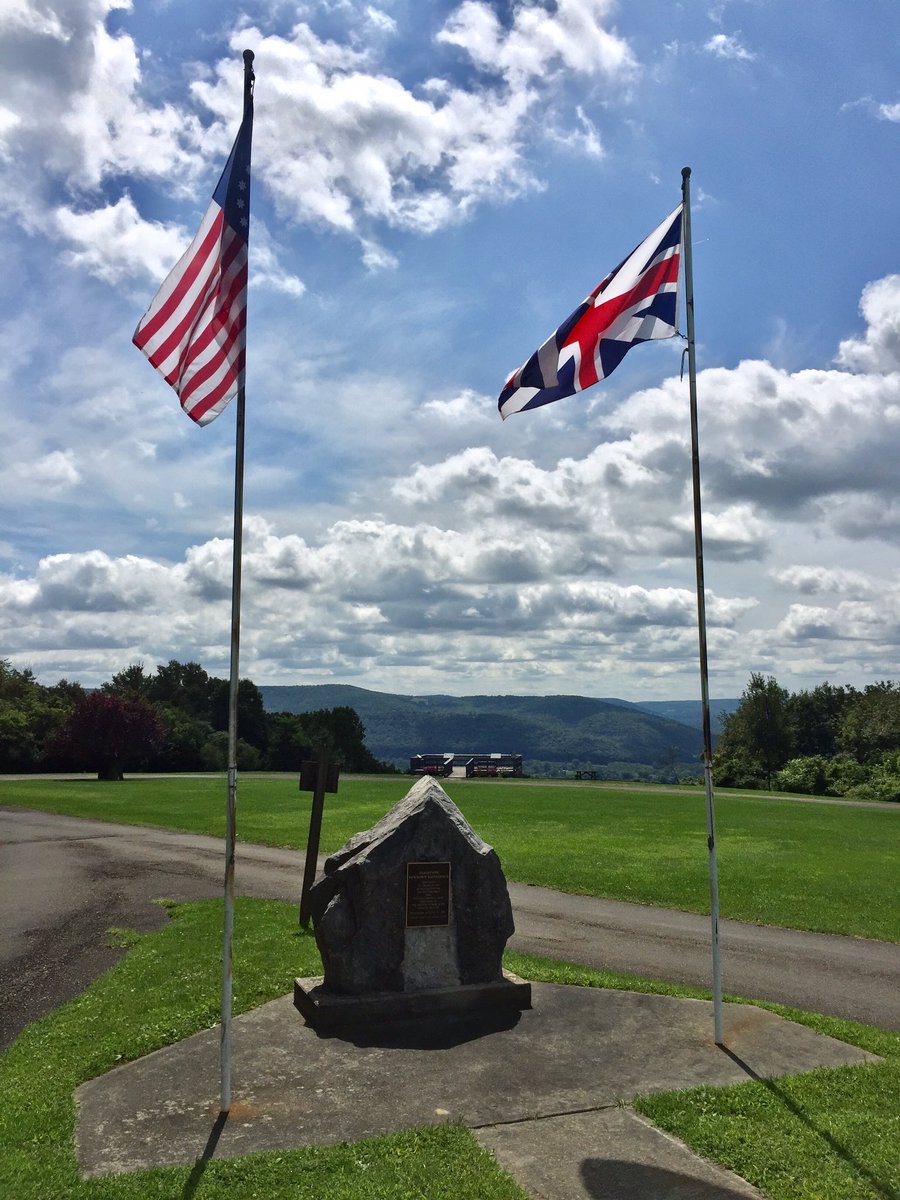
(415, 906)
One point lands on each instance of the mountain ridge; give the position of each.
(552, 732)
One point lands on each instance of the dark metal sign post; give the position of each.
(233, 680)
(319, 776)
(701, 614)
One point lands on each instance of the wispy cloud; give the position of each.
(729, 46)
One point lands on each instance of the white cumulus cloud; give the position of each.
(879, 349)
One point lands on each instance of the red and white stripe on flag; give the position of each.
(194, 332)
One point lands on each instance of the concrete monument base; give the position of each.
(326, 1010)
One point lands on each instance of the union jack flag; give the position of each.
(637, 302)
(195, 331)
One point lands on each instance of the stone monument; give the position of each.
(411, 919)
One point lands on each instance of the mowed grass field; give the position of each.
(827, 867)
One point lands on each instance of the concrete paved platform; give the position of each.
(578, 1052)
(608, 1154)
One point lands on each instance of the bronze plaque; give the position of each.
(427, 894)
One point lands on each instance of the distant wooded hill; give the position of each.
(552, 733)
(686, 711)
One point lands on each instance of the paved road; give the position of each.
(64, 881)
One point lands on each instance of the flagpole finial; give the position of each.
(685, 172)
(249, 79)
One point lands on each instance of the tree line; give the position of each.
(831, 741)
(175, 719)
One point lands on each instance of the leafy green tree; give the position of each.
(755, 740)
(185, 686)
(814, 719)
(19, 697)
(871, 722)
(132, 682)
(339, 733)
(64, 694)
(288, 745)
(765, 705)
(31, 719)
(18, 749)
(48, 717)
(251, 712)
(183, 742)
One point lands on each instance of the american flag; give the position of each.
(195, 331)
(637, 302)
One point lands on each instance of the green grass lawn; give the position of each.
(824, 867)
(828, 1135)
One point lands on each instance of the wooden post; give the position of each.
(326, 780)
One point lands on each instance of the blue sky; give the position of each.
(436, 186)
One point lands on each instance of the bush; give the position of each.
(739, 769)
(844, 774)
(883, 782)
(808, 775)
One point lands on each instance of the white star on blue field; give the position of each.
(435, 188)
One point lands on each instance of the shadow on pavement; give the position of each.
(614, 1179)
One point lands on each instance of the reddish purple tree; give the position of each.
(112, 732)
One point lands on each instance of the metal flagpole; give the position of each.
(231, 809)
(701, 612)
